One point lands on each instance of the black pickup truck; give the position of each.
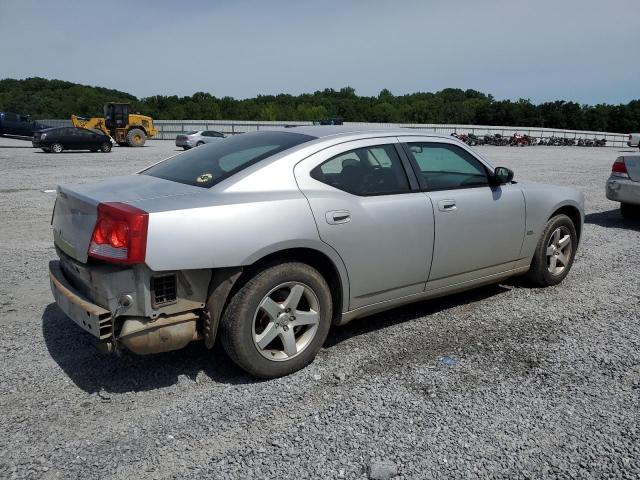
(15, 125)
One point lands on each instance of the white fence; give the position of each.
(168, 129)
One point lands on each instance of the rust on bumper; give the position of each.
(90, 317)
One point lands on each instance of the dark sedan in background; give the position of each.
(70, 138)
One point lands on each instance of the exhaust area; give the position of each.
(144, 336)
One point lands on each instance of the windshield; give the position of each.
(211, 163)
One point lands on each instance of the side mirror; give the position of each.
(502, 175)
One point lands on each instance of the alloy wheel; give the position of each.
(559, 250)
(286, 321)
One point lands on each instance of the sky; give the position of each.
(582, 50)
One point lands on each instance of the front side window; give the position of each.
(445, 167)
(206, 166)
(365, 171)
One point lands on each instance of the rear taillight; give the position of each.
(619, 169)
(120, 234)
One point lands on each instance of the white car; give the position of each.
(197, 138)
(634, 140)
(624, 185)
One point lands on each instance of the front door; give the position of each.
(365, 209)
(479, 228)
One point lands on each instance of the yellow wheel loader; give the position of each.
(127, 129)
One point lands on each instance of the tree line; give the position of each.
(42, 98)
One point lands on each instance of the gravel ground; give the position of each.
(534, 383)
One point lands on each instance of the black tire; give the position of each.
(199, 144)
(46, 150)
(186, 147)
(105, 147)
(237, 322)
(629, 211)
(136, 137)
(539, 273)
(57, 147)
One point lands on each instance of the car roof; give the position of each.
(324, 131)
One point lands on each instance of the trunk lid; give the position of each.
(76, 208)
(632, 162)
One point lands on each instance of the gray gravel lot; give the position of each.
(546, 384)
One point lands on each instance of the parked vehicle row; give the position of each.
(523, 140)
(271, 237)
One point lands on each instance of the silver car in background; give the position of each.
(272, 237)
(198, 138)
(623, 185)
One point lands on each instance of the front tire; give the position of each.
(277, 321)
(57, 148)
(136, 137)
(554, 253)
(629, 211)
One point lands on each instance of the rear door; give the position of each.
(479, 228)
(72, 139)
(366, 209)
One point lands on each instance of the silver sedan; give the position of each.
(267, 239)
(623, 185)
(198, 138)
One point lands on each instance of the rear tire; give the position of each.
(186, 147)
(136, 137)
(199, 144)
(554, 253)
(46, 150)
(57, 148)
(105, 147)
(277, 321)
(629, 211)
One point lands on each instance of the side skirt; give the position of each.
(521, 266)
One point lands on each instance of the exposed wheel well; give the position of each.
(317, 260)
(573, 213)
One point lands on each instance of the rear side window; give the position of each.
(365, 171)
(212, 133)
(445, 167)
(210, 164)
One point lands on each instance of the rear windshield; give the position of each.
(211, 163)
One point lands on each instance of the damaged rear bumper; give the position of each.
(140, 334)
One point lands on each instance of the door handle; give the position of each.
(336, 217)
(447, 205)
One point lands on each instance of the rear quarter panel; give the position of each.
(234, 230)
